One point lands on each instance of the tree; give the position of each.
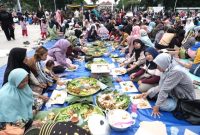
(128, 4)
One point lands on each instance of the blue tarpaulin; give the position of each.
(143, 115)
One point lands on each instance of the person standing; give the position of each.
(87, 15)
(76, 15)
(44, 29)
(7, 23)
(40, 14)
(24, 27)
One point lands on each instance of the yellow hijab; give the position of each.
(197, 57)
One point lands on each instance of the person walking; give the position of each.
(7, 23)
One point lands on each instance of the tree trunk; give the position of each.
(19, 5)
(39, 3)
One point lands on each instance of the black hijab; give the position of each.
(15, 60)
(154, 53)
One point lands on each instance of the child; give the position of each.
(24, 28)
(49, 70)
(44, 29)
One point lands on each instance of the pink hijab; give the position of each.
(136, 31)
(130, 40)
(61, 46)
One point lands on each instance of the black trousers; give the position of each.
(9, 32)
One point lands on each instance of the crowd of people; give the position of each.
(153, 43)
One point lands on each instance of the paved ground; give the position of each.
(6, 46)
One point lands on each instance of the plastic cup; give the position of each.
(174, 130)
(117, 87)
(48, 105)
(45, 94)
(134, 108)
(114, 77)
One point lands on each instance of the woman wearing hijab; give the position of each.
(174, 84)
(16, 59)
(193, 50)
(130, 40)
(148, 76)
(16, 98)
(158, 32)
(136, 31)
(58, 54)
(92, 34)
(145, 38)
(102, 32)
(151, 26)
(189, 25)
(137, 57)
(54, 28)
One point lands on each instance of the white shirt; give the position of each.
(76, 14)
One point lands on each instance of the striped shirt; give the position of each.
(42, 76)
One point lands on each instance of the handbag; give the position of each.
(188, 110)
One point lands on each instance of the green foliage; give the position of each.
(168, 4)
(32, 5)
(128, 3)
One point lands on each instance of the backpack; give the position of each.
(188, 110)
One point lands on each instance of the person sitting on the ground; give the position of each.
(16, 99)
(58, 54)
(157, 33)
(130, 46)
(136, 31)
(102, 32)
(166, 39)
(174, 84)
(137, 57)
(92, 34)
(145, 38)
(37, 68)
(49, 70)
(148, 76)
(192, 50)
(124, 35)
(17, 59)
(178, 38)
(194, 67)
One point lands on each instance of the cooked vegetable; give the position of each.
(112, 100)
(83, 86)
(77, 113)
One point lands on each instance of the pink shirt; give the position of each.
(43, 27)
(23, 25)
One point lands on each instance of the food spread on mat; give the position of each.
(83, 86)
(109, 100)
